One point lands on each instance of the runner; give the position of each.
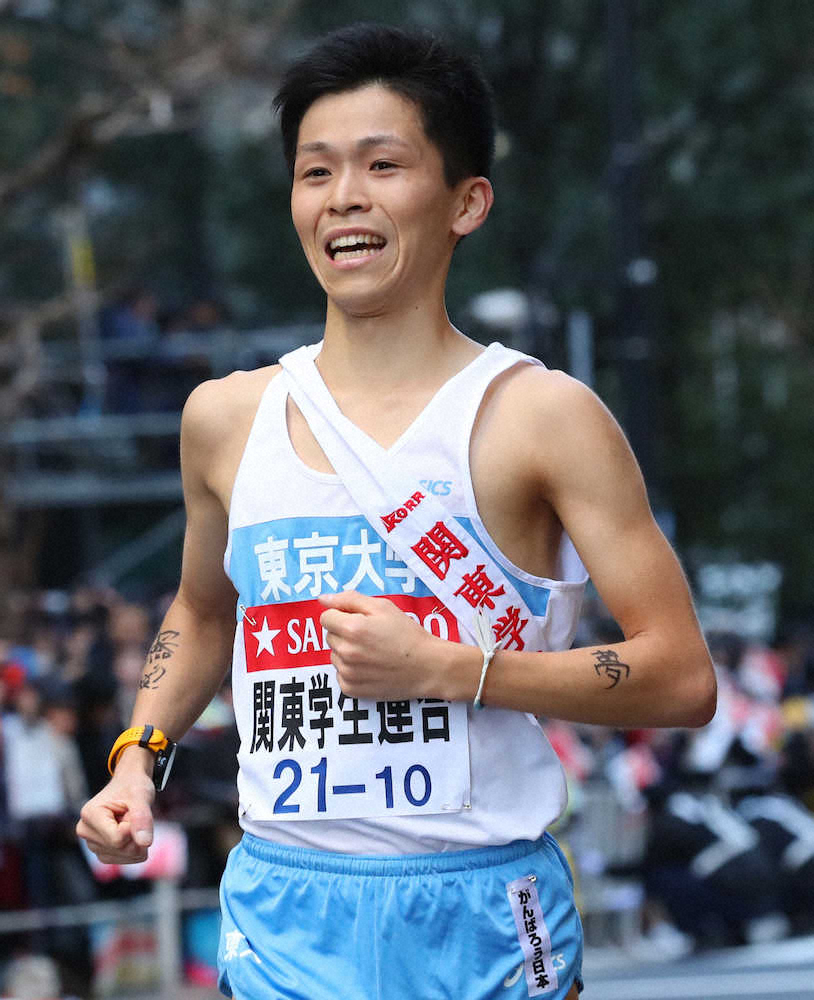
(398, 512)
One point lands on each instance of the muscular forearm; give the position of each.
(638, 683)
(184, 669)
(661, 677)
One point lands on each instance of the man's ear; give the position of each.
(476, 197)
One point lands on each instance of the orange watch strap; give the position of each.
(145, 736)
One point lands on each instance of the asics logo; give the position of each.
(558, 962)
(440, 487)
(512, 979)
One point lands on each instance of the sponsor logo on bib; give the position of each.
(289, 635)
(400, 513)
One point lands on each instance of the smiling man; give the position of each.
(396, 644)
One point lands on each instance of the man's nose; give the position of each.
(348, 193)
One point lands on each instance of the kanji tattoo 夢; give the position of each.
(165, 644)
(609, 664)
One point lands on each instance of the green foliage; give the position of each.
(725, 100)
(257, 247)
(152, 232)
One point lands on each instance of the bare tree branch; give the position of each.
(75, 137)
(24, 343)
(185, 69)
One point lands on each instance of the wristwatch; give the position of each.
(151, 739)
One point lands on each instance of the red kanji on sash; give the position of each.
(438, 548)
(477, 588)
(509, 626)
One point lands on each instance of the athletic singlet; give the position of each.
(318, 769)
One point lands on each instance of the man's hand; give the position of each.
(378, 651)
(117, 824)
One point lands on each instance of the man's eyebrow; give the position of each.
(313, 147)
(383, 139)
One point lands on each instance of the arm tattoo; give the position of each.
(608, 662)
(165, 644)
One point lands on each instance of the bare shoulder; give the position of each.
(215, 426)
(218, 408)
(546, 393)
(551, 410)
(569, 438)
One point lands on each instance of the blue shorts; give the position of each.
(496, 922)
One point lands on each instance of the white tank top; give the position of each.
(323, 771)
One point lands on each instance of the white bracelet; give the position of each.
(483, 636)
(487, 659)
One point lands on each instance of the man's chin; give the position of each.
(361, 307)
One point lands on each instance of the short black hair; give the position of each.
(449, 89)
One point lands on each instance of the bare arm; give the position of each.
(188, 660)
(192, 651)
(660, 675)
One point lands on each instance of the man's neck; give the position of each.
(391, 352)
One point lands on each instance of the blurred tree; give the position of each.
(103, 106)
(728, 92)
(153, 117)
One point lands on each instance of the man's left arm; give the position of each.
(659, 675)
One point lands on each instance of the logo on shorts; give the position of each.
(235, 942)
(512, 979)
(558, 961)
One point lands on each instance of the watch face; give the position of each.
(163, 766)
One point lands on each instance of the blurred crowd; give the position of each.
(69, 673)
(149, 368)
(722, 817)
(723, 848)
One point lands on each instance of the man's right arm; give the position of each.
(189, 658)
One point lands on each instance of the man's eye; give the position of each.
(382, 165)
(316, 172)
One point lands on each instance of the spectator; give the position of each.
(786, 831)
(795, 646)
(130, 322)
(45, 786)
(132, 317)
(703, 862)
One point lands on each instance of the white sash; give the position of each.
(412, 521)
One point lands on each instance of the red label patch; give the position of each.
(283, 636)
(392, 519)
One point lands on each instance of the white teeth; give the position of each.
(355, 239)
(352, 254)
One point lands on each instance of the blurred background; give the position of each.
(653, 234)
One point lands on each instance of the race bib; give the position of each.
(314, 753)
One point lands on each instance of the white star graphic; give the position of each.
(265, 638)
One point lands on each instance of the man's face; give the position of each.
(369, 201)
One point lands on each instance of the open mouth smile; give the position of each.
(354, 246)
